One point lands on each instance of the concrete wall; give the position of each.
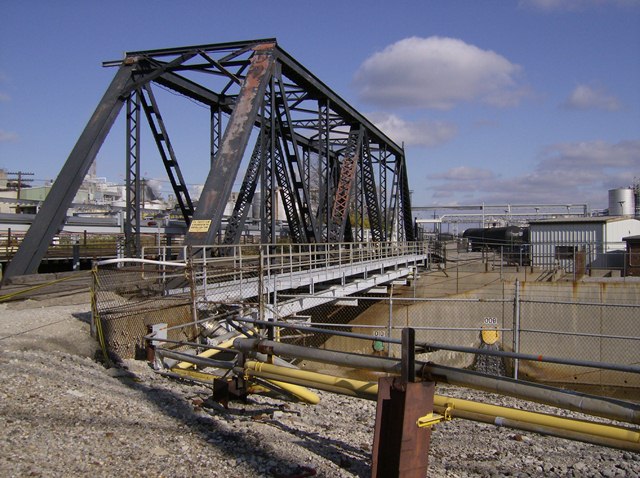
(560, 319)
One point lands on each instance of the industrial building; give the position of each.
(581, 242)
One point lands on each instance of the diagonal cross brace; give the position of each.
(342, 198)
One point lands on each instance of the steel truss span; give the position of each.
(337, 177)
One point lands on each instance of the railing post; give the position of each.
(390, 324)
(516, 327)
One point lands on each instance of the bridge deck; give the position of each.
(315, 274)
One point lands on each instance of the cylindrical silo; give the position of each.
(621, 202)
(637, 195)
(256, 205)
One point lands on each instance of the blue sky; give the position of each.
(531, 101)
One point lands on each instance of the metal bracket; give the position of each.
(431, 419)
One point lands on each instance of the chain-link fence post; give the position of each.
(390, 325)
(193, 286)
(516, 327)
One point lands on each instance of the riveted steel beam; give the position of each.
(219, 183)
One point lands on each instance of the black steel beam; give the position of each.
(243, 203)
(54, 209)
(161, 137)
(228, 46)
(132, 181)
(343, 193)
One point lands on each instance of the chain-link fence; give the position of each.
(130, 297)
(582, 324)
(469, 302)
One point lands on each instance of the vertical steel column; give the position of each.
(267, 185)
(237, 220)
(369, 192)
(384, 214)
(516, 328)
(359, 198)
(340, 210)
(297, 187)
(326, 192)
(400, 447)
(405, 202)
(132, 181)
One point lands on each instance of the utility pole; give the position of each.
(21, 180)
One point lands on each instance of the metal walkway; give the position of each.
(296, 277)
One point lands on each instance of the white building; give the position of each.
(594, 242)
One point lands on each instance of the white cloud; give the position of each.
(437, 72)
(8, 136)
(591, 155)
(565, 173)
(414, 133)
(575, 5)
(585, 97)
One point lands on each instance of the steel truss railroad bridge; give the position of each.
(341, 182)
(337, 176)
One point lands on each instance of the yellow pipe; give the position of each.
(460, 407)
(543, 419)
(356, 387)
(300, 392)
(295, 390)
(544, 430)
(208, 353)
(194, 374)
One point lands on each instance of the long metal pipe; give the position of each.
(191, 360)
(541, 429)
(592, 405)
(598, 433)
(427, 346)
(299, 392)
(345, 386)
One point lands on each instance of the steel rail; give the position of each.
(598, 406)
(583, 430)
(432, 347)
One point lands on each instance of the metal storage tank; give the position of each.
(621, 202)
(256, 206)
(231, 203)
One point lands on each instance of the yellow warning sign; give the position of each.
(490, 336)
(200, 225)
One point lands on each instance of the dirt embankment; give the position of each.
(64, 414)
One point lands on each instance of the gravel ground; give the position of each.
(64, 414)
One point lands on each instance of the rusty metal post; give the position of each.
(400, 447)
